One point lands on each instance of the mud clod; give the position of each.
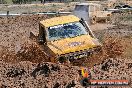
(3, 86)
(129, 65)
(45, 86)
(41, 69)
(56, 85)
(55, 68)
(106, 65)
(22, 85)
(14, 72)
(70, 85)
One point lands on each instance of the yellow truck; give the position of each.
(67, 38)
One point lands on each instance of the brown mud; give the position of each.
(20, 58)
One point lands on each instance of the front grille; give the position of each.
(78, 54)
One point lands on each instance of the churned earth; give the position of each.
(23, 64)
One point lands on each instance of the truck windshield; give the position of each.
(65, 31)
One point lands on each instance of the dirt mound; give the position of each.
(46, 75)
(50, 75)
(30, 52)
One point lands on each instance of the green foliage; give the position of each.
(5, 1)
(15, 1)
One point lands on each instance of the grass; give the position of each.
(8, 1)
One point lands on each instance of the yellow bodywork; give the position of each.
(63, 46)
(67, 45)
(59, 20)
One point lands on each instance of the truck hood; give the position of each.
(72, 44)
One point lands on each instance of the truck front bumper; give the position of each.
(80, 54)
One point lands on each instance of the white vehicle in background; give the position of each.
(92, 12)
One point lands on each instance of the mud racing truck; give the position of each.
(66, 38)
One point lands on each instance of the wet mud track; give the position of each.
(19, 54)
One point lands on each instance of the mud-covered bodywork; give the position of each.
(67, 37)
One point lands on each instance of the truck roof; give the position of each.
(59, 20)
